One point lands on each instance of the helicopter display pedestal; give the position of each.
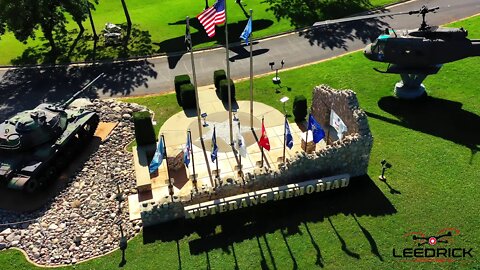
(410, 87)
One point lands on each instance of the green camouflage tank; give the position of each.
(35, 145)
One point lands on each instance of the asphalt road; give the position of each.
(25, 88)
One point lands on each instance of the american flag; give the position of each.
(212, 16)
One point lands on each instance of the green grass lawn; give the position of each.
(159, 27)
(433, 184)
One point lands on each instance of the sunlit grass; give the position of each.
(437, 178)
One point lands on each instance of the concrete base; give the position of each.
(407, 92)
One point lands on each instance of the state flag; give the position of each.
(337, 123)
(158, 156)
(214, 146)
(317, 131)
(288, 136)
(186, 151)
(247, 31)
(241, 146)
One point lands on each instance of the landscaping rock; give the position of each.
(82, 208)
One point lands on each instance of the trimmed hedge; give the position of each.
(187, 92)
(218, 75)
(144, 133)
(224, 90)
(300, 108)
(179, 81)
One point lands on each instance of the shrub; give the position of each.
(218, 75)
(299, 108)
(144, 133)
(179, 81)
(188, 96)
(224, 90)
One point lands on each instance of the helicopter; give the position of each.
(415, 54)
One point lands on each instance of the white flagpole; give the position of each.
(228, 77)
(251, 74)
(195, 81)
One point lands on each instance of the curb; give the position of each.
(178, 53)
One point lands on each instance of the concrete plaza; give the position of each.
(175, 134)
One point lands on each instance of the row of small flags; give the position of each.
(317, 132)
(215, 15)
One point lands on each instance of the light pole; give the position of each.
(385, 166)
(119, 197)
(284, 100)
(122, 243)
(276, 79)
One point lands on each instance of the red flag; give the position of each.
(264, 142)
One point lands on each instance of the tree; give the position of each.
(125, 9)
(78, 10)
(23, 17)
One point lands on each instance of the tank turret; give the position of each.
(36, 144)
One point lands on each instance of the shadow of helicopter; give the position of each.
(438, 117)
(174, 53)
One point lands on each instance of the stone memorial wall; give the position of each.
(350, 155)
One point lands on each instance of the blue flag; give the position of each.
(247, 31)
(214, 146)
(158, 156)
(317, 131)
(186, 152)
(288, 136)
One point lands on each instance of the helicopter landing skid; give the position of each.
(410, 87)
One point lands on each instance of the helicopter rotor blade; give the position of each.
(389, 14)
(358, 18)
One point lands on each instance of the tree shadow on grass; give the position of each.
(306, 12)
(74, 46)
(25, 88)
(362, 197)
(175, 49)
(438, 117)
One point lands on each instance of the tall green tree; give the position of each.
(23, 17)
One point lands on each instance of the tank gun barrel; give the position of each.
(66, 103)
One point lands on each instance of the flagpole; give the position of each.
(194, 81)
(228, 77)
(240, 154)
(251, 74)
(216, 158)
(306, 135)
(284, 138)
(261, 146)
(189, 135)
(170, 186)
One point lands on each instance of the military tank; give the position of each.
(35, 145)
